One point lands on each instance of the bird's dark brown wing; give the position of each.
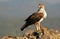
(35, 17)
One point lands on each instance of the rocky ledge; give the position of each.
(45, 33)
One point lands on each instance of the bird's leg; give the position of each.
(38, 26)
(39, 29)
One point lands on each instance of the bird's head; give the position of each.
(41, 6)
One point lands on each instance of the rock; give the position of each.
(29, 32)
(11, 37)
(45, 33)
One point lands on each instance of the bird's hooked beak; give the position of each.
(41, 6)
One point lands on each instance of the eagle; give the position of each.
(36, 18)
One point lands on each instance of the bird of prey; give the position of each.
(36, 18)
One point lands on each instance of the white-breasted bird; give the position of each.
(36, 18)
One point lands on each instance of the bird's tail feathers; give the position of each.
(24, 26)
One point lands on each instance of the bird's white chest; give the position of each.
(44, 12)
(45, 15)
